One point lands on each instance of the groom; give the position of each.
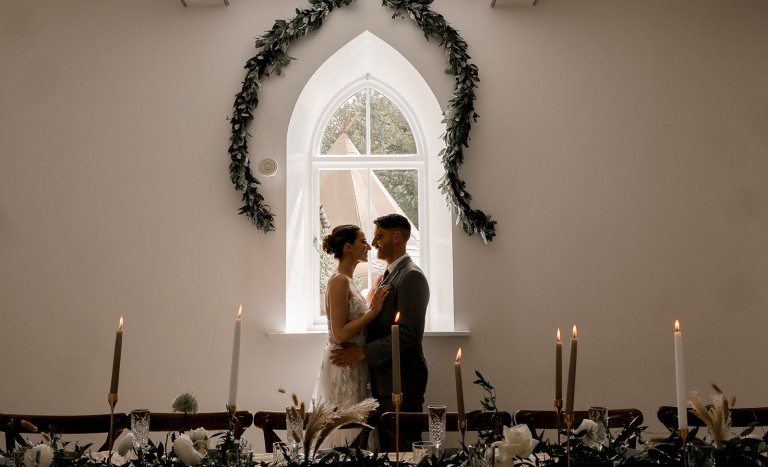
(409, 295)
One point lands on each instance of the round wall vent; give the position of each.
(268, 167)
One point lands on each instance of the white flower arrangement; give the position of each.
(518, 443)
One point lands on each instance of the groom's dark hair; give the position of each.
(395, 221)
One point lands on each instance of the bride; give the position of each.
(348, 314)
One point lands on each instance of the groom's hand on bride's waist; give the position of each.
(347, 355)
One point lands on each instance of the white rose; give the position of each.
(589, 428)
(200, 440)
(184, 448)
(40, 453)
(518, 442)
(125, 443)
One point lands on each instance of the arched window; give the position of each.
(363, 141)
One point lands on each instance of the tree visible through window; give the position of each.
(367, 166)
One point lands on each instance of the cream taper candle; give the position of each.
(571, 374)
(396, 387)
(235, 368)
(682, 399)
(558, 368)
(116, 358)
(459, 387)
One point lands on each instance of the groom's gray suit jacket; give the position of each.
(409, 295)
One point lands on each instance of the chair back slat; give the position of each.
(629, 420)
(61, 425)
(419, 421)
(211, 421)
(740, 417)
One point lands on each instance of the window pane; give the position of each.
(390, 132)
(344, 199)
(403, 187)
(348, 119)
(358, 196)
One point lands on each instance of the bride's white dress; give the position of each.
(347, 385)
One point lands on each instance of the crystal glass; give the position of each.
(294, 427)
(482, 455)
(239, 456)
(140, 426)
(599, 415)
(437, 424)
(422, 449)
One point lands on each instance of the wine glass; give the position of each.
(437, 424)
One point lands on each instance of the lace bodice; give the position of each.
(357, 306)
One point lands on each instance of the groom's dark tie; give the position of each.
(384, 277)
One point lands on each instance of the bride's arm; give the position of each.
(338, 309)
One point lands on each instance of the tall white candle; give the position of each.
(459, 387)
(396, 387)
(559, 368)
(235, 368)
(116, 358)
(682, 400)
(571, 374)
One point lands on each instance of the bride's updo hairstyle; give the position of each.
(334, 242)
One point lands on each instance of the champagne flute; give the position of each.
(437, 424)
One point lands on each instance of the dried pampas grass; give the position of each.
(326, 419)
(717, 417)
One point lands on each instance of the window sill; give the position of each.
(325, 333)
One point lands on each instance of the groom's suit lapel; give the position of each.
(393, 275)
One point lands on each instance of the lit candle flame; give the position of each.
(397, 317)
(458, 355)
(120, 325)
(575, 334)
(558, 334)
(677, 326)
(240, 311)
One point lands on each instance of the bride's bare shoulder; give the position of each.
(338, 280)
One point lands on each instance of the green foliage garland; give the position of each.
(273, 57)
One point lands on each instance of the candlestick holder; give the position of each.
(568, 424)
(558, 415)
(683, 432)
(112, 399)
(463, 429)
(397, 399)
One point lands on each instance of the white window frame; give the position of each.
(366, 61)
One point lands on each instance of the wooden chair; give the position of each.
(419, 421)
(740, 417)
(211, 421)
(269, 422)
(60, 425)
(629, 420)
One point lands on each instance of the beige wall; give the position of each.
(621, 146)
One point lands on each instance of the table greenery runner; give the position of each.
(516, 445)
(273, 56)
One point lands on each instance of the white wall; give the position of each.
(621, 146)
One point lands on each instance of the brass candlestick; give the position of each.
(568, 424)
(397, 399)
(683, 432)
(463, 429)
(112, 399)
(558, 414)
